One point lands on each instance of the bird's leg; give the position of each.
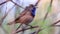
(19, 26)
(29, 25)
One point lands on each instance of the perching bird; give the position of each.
(26, 16)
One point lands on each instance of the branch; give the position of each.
(17, 4)
(4, 2)
(5, 15)
(4, 18)
(48, 11)
(55, 23)
(26, 29)
(36, 32)
(45, 16)
(37, 2)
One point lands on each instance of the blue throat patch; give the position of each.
(33, 11)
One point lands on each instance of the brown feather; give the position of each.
(25, 17)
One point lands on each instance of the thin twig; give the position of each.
(36, 32)
(7, 13)
(17, 4)
(26, 29)
(4, 2)
(55, 23)
(2, 19)
(48, 11)
(37, 2)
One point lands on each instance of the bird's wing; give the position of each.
(21, 14)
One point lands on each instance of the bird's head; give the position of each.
(33, 9)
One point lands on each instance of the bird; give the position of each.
(26, 16)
